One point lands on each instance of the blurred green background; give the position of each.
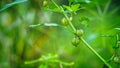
(20, 43)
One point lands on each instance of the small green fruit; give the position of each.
(75, 41)
(64, 22)
(45, 3)
(116, 59)
(70, 18)
(79, 32)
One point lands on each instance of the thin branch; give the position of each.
(95, 52)
(55, 4)
(69, 21)
(74, 29)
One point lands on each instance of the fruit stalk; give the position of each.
(74, 30)
(95, 52)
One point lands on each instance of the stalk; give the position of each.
(74, 29)
(105, 62)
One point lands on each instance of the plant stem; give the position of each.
(95, 52)
(55, 4)
(74, 29)
(69, 21)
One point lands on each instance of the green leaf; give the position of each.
(75, 7)
(117, 28)
(67, 64)
(67, 7)
(44, 24)
(43, 66)
(48, 57)
(50, 24)
(11, 4)
(51, 58)
(44, 58)
(72, 8)
(82, 1)
(33, 61)
(36, 25)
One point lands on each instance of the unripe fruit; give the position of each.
(70, 18)
(79, 32)
(75, 41)
(45, 3)
(116, 59)
(64, 21)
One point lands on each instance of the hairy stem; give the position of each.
(95, 52)
(69, 21)
(74, 29)
(55, 4)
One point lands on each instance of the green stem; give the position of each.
(95, 52)
(33, 61)
(69, 21)
(55, 4)
(74, 29)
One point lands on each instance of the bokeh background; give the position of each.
(20, 43)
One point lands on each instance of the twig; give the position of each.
(74, 29)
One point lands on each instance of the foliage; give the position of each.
(38, 34)
(11, 4)
(46, 59)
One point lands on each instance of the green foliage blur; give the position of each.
(32, 36)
